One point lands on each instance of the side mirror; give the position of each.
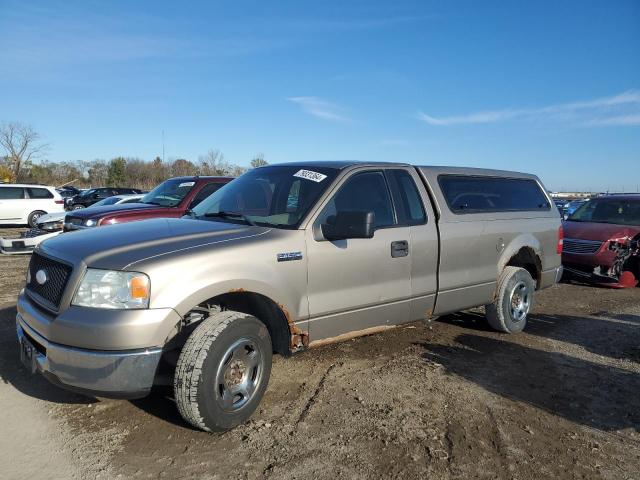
(349, 224)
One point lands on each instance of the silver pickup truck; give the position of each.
(283, 258)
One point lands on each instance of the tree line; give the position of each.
(24, 162)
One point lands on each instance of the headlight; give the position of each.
(90, 223)
(51, 226)
(113, 289)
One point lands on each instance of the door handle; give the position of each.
(399, 248)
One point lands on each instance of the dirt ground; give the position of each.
(446, 399)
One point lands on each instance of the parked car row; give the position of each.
(89, 197)
(171, 199)
(283, 258)
(49, 225)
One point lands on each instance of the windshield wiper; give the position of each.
(152, 203)
(221, 214)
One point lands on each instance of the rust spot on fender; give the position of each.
(299, 339)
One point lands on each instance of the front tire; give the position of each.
(223, 371)
(513, 302)
(77, 207)
(33, 217)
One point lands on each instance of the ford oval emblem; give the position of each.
(41, 277)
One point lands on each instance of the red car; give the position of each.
(173, 198)
(602, 241)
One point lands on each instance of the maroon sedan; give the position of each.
(173, 198)
(601, 241)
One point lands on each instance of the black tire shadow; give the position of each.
(12, 371)
(161, 404)
(583, 392)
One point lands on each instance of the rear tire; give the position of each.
(513, 302)
(33, 218)
(223, 371)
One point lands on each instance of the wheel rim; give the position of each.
(34, 218)
(78, 207)
(520, 302)
(239, 374)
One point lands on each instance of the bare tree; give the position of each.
(213, 163)
(258, 161)
(22, 144)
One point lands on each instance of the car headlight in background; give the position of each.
(113, 289)
(51, 226)
(90, 223)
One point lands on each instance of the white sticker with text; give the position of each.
(309, 175)
(186, 184)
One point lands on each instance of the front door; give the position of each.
(12, 203)
(359, 283)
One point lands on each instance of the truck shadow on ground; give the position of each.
(587, 393)
(12, 372)
(601, 333)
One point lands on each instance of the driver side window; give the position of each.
(363, 192)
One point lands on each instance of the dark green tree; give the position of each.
(116, 174)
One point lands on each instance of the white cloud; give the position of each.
(320, 108)
(621, 109)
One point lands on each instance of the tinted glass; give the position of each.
(11, 193)
(466, 194)
(169, 193)
(608, 210)
(205, 192)
(39, 193)
(277, 196)
(106, 201)
(364, 192)
(406, 198)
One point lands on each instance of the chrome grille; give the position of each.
(574, 245)
(57, 276)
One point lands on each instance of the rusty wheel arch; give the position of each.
(286, 336)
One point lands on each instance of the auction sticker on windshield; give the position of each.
(186, 184)
(310, 175)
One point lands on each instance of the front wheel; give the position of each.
(32, 220)
(513, 302)
(223, 371)
(77, 207)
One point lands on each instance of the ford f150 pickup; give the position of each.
(283, 258)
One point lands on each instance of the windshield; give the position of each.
(169, 193)
(106, 201)
(609, 210)
(275, 196)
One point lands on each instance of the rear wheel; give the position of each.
(223, 371)
(77, 207)
(32, 220)
(513, 302)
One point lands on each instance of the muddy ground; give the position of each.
(447, 399)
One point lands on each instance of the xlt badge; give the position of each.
(289, 256)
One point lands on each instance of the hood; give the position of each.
(51, 217)
(92, 212)
(122, 244)
(598, 231)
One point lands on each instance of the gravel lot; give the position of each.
(447, 399)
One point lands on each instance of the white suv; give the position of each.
(23, 204)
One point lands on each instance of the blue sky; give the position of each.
(551, 88)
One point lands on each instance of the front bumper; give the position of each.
(22, 245)
(113, 374)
